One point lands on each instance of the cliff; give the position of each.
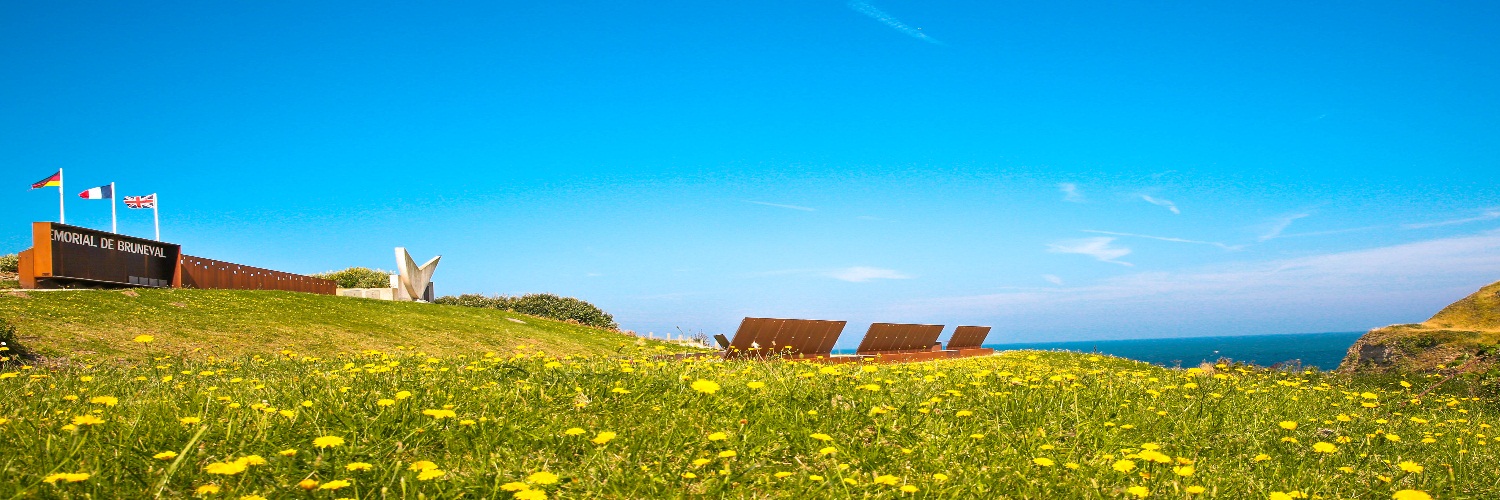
(1462, 335)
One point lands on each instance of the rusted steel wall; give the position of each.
(198, 272)
(773, 336)
(898, 337)
(968, 337)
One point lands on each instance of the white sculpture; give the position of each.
(415, 281)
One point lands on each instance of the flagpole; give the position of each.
(156, 214)
(114, 221)
(62, 215)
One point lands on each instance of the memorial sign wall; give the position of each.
(65, 255)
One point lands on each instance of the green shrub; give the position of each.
(545, 305)
(10, 263)
(359, 277)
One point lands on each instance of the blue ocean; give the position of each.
(1315, 350)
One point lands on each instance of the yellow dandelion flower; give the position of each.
(165, 455)
(1392, 438)
(252, 497)
(814, 477)
(385, 402)
(189, 420)
(531, 495)
(543, 477)
(224, 468)
(756, 385)
(421, 465)
(439, 414)
(400, 395)
(143, 339)
(1324, 447)
(689, 475)
(105, 400)
(287, 453)
(358, 466)
(1072, 465)
(718, 436)
(1183, 470)
(1043, 461)
(1288, 425)
(887, 480)
(308, 484)
(1139, 491)
(1410, 466)
(603, 437)
(977, 436)
(328, 442)
(1261, 458)
(515, 486)
(1277, 495)
(66, 477)
(705, 386)
(1194, 490)
(1150, 446)
(727, 454)
(1411, 495)
(208, 489)
(909, 489)
(428, 475)
(782, 474)
(828, 451)
(1124, 465)
(87, 420)
(822, 437)
(1346, 469)
(334, 485)
(701, 462)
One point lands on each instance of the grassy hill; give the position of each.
(229, 323)
(1463, 334)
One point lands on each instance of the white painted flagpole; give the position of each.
(62, 215)
(114, 221)
(155, 214)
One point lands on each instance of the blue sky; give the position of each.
(1057, 170)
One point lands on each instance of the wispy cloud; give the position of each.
(1298, 291)
(1099, 248)
(1279, 225)
(1070, 192)
(1161, 203)
(860, 274)
(1165, 238)
(778, 205)
(1489, 214)
(889, 20)
(1053, 279)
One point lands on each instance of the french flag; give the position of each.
(98, 193)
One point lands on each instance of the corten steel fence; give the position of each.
(198, 272)
(791, 337)
(968, 337)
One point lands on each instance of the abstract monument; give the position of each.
(414, 282)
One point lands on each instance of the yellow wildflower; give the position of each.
(287, 453)
(67, 477)
(1324, 447)
(705, 386)
(224, 468)
(165, 455)
(189, 420)
(822, 437)
(1410, 466)
(308, 484)
(334, 485)
(515, 486)
(207, 489)
(531, 495)
(718, 436)
(1288, 425)
(1043, 461)
(439, 414)
(543, 477)
(756, 385)
(828, 451)
(603, 437)
(1194, 489)
(143, 339)
(87, 420)
(727, 454)
(430, 474)
(1139, 491)
(1183, 470)
(1411, 495)
(421, 465)
(358, 466)
(1124, 466)
(105, 400)
(574, 431)
(328, 442)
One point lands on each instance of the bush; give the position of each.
(359, 277)
(545, 305)
(10, 263)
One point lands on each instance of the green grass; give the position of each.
(227, 323)
(1017, 425)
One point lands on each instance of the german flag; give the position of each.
(53, 181)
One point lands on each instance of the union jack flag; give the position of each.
(148, 201)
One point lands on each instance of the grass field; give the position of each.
(228, 323)
(521, 424)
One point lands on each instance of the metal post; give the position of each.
(114, 221)
(156, 214)
(62, 215)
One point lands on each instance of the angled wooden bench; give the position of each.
(969, 341)
(786, 339)
(901, 342)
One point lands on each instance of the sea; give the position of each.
(1323, 351)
